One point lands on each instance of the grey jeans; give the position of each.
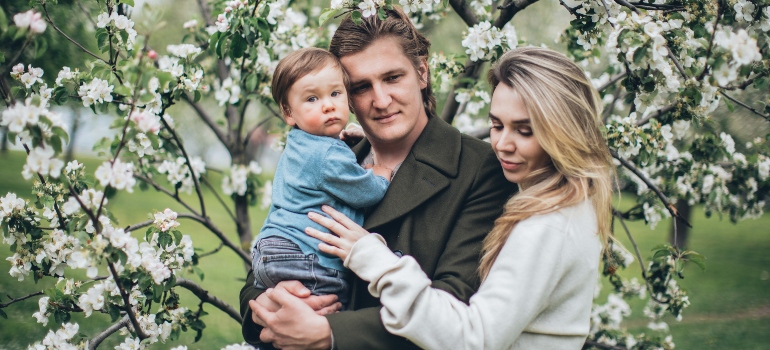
(276, 259)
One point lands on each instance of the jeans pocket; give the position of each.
(278, 259)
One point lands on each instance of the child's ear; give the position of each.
(287, 117)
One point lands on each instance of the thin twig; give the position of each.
(745, 84)
(638, 256)
(256, 127)
(627, 4)
(99, 338)
(590, 342)
(607, 8)
(18, 54)
(671, 208)
(126, 302)
(55, 205)
(48, 19)
(206, 222)
(137, 226)
(207, 119)
(160, 188)
(13, 301)
(189, 165)
(570, 9)
(655, 115)
(219, 198)
(612, 81)
(87, 13)
(711, 41)
(216, 250)
(206, 297)
(744, 105)
(676, 63)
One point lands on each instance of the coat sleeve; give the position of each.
(456, 272)
(347, 181)
(514, 293)
(249, 329)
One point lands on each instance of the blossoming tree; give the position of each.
(668, 64)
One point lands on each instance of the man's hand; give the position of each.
(321, 304)
(295, 325)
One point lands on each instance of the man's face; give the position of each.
(385, 90)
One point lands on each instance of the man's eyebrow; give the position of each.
(383, 74)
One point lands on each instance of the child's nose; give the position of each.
(328, 106)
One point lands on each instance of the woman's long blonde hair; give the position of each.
(564, 111)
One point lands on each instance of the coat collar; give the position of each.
(433, 160)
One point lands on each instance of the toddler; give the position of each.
(316, 168)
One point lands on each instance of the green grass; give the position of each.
(730, 301)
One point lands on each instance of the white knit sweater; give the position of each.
(537, 295)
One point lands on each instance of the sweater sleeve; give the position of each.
(514, 293)
(347, 181)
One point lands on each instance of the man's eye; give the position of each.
(393, 78)
(358, 89)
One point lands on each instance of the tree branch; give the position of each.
(612, 81)
(711, 41)
(465, 12)
(596, 344)
(207, 119)
(744, 105)
(206, 297)
(189, 165)
(219, 199)
(99, 338)
(160, 188)
(510, 10)
(13, 301)
(217, 232)
(627, 4)
(126, 303)
(48, 19)
(55, 205)
(638, 256)
(630, 166)
(137, 226)
(657, 114)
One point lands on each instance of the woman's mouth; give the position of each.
(510, 165)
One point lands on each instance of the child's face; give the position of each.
(318, 102)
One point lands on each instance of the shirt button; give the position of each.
(398, 253)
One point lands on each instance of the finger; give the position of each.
(331, 224)
(323, 236)
(284, 298)
(254, 316)
(330, 249)
(295, 288)
(329, 309)
(262, 313)
(341, 218)
(267, 336)
(318, 302)
(263, 300)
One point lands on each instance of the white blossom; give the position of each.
(30, 19)
(119, 175)
(97, 90)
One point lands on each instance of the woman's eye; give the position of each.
(496, 127)
(525, 131)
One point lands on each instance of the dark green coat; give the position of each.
(443, 200)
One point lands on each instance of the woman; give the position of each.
(540, 262)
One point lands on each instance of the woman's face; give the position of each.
(512, 138)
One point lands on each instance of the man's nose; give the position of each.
(381, 98)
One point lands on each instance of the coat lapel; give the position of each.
(432, 162)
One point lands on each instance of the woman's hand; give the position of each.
(347, 231)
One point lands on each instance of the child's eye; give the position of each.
(312, 99)
(335, 94)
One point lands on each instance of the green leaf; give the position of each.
(56, 144)
(356, 17)
(2, 58)
(325, 15)
(251, 83)
(3, 24)
(197, 96)
(128, 2)
(164, 239)
(198, 272)
(220, 45)
(730, 106)
(114, 312)
(177, 237)
(697, 259)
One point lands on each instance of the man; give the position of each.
(446, 191)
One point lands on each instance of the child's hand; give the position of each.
(382, 171)
(352, 134)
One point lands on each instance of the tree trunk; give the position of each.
(680, 239)
(4, 142)
(73, 135)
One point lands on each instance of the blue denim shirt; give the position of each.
(313, 171)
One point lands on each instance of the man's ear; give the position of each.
(422, 72)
